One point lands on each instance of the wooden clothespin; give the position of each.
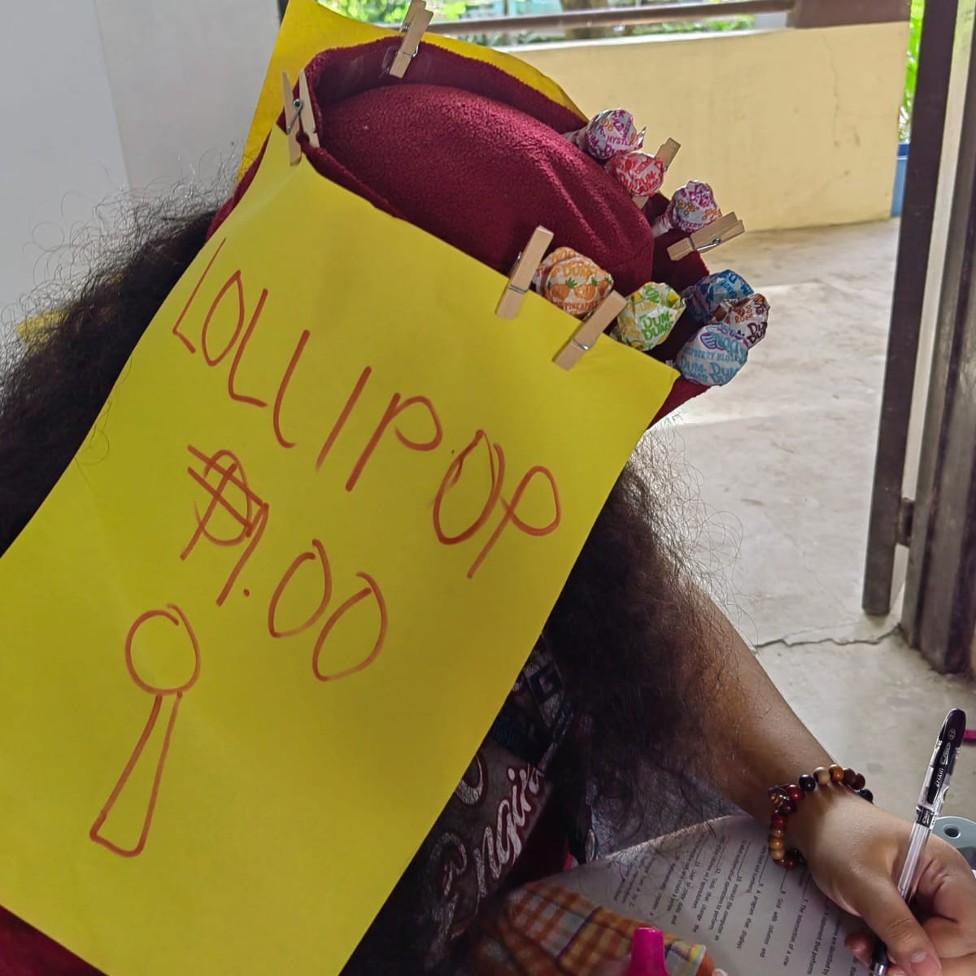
(307, 117)
(586, 335)
(667, 152)
(717, 232)
(293, 108)
(417, 20)
(415, 7)
(520, 280)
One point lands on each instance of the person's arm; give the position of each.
(755, 739)
(854, 849)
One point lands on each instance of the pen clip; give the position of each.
(943, 761)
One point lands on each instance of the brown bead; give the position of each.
(777, 844)
(849, 776)
(777, 833)
(780, 801)
(777, 855)
(822, 775)
(858, 783)
(837, 773)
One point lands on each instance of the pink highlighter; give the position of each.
(647, 954)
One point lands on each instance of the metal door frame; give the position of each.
(939, 523)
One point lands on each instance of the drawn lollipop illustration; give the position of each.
(158, 642)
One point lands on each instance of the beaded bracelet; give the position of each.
(786, 799)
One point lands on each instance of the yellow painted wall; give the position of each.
(793, 128)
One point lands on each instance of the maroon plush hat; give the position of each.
(479, 159)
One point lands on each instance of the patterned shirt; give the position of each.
(488, 837)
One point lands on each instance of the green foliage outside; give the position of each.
(911, 74)
(393, 11)
(390, 11)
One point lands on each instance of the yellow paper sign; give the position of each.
(259, 628)
(310, 27)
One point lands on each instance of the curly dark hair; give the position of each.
(623, 631)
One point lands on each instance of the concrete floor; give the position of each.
(783, 462)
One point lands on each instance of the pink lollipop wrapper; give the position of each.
(572, 282)
(691, 208)
(608, 133)
(639, 173)
(747, 318)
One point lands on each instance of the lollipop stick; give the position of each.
(128, 799)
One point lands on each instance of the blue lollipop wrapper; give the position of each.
(705, 296)
(713, 356)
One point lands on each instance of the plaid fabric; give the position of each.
(545, 930)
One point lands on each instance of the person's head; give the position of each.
(622, 630)
(485, 170)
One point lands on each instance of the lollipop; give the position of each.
(608, 133)
(639, 173)
(713, 355)
(649, 316)
(747, 318)
(165, 666)
(705, 296)
(572, 282)
(691, 208)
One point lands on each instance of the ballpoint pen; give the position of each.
(930, 802)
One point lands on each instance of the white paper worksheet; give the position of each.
(714, 884)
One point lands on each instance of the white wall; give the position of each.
(101, 96)
(61, 152)
(793, 128)
(185, 77)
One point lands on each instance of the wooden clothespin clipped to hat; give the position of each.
(667, 152)
(298, 115)
(665, 155)
(716, 233)
(417, 21)
(520, 280)
(293, 110)
(586, 335)
(305, 112)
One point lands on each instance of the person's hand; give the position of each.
(855, 852)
